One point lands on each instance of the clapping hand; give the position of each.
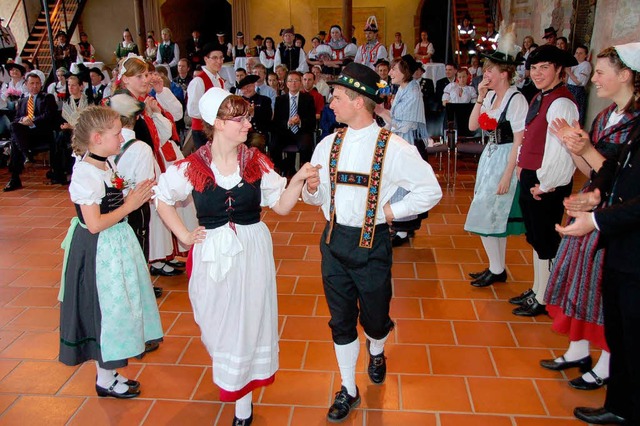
(582, 225)
(574, 138)
(582, 202)
(140, 194)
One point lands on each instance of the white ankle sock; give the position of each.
(162, 265)
(601, 369)
(401, 234)
(243, 406)
(376, 347)
(347, 356)
(492, 248)
(105, 379)
(578, 349)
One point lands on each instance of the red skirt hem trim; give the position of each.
(229, 396)
(577, 329)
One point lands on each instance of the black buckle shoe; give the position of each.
(519, 300)
(377, 367)
(133, 384)
(598, 416)
(552, 364)
(531, 308)
(342, 405)
(581, 384)
(490, 278)
(130, 393)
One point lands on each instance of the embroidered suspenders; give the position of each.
(373, 181)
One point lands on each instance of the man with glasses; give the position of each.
(210, 77)
(294, 121)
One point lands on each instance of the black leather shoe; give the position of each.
(162, 272)
(583, 363)
(377, 367)
(243, 422)
(130, 393)
(133, 384)
(531, 308)
(598, 416)
(148, 347)
(490, 278)
(342, 405)
(519, 300)
(13, 185)
(397, 241)
(476, 275)
(176, 264)
(581, 384)
(157, 291)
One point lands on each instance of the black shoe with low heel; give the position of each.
(519, 300)
(490, 278)
(130, 393)
(342, 405)
(583, 363)
(476, 275)
(581, 384)
(598, 416)
(133, 384)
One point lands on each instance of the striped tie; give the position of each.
(30, 107)
(293, 112)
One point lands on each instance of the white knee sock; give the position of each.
(578, 349)
(105, 379)
(601, 369)
(503, 251)
(376, 347)
(243, 406)
(347, 356)
(541, 273)
(492, 248)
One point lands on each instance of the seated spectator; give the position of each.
(35, 117)
(241, 73)
(59, 88)
(97, 89)
(459, 92)
(262, 88)
(274, 83)
(450, 71)
(183, 78)
(321, 84)
(308, 83)
(262, 112)
(294, 122)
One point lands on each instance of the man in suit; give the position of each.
(450, 71)
(194, 46)
(262, 112)
(35, 118)
(294, 121)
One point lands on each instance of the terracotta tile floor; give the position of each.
(456, 357)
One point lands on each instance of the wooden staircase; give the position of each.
(63, 15)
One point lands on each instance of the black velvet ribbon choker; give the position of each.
(96, 157)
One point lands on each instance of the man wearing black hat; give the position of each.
(546, 169)
(64, 54)
(262, 113)
(259, 41)
(213, 60)
(360, 168)
(97, 90)
(33, 124)
(550, 36)
(287, 54)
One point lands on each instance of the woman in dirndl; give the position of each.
(232, 284)
(108, 311)
(574, 295)
(495, 212)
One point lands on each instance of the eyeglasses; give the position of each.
(240, 118)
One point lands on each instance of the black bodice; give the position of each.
(218, 206)
(113, 198)
(504, 133)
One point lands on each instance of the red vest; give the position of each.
(535, 133)
(397, 52)
(196, 123)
